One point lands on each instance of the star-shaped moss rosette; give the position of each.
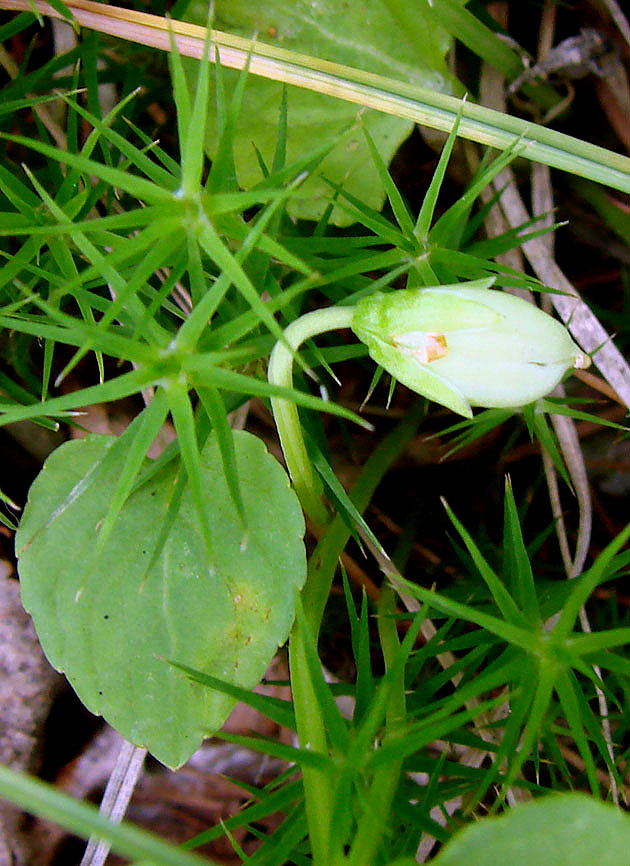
(467, 345)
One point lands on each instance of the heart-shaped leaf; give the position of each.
(405, 46)
(554, 830)
(111, 621)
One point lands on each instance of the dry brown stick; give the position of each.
(541, 259)
(587, 328)
(581, 322)
(617, 15)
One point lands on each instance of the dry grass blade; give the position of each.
(581, 322)
(116, 798)
(584, 326)
(589, 333)
(617, 15)
(543, 205)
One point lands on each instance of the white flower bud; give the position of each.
(467, 345)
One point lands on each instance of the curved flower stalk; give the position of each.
(461, 345)
(280, 372)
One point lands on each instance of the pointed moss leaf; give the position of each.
(555, 830)
(364, 35)
(112, 622)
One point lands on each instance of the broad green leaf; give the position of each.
(399, 40)
(555, 830)
(112, 622)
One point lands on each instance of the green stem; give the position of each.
(309, 720)
(325, 558)
(322, 566)
(305, 482)
(311, 731)
(311, 727)
(374, 820)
